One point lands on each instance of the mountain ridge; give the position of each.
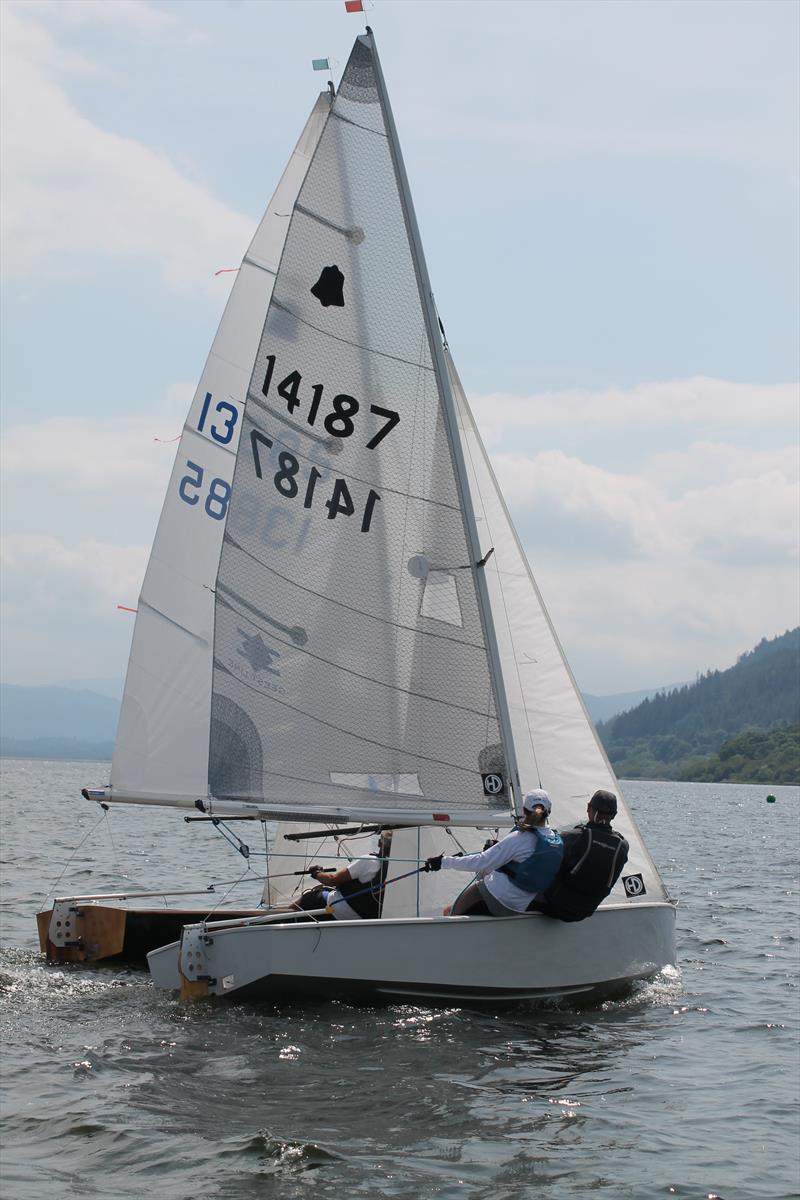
(760, 693)
(672, 730)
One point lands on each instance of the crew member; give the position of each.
(510, 872)
(353, 891)
(594, 855)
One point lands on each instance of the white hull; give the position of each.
(478, 958)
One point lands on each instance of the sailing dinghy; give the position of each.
(338, 629)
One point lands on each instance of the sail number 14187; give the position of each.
(340, 421)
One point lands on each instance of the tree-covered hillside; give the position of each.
(757, 756)
(667, 736)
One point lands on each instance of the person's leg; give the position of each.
(469, 904)
(313, 898)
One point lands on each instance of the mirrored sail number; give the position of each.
(288, 481)
(339, 420)
(215, 495)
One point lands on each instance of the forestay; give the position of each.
(350, 655)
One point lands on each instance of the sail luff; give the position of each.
(451, 425)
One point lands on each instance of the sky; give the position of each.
(608, 199)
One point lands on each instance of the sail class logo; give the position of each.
(329, 288)
(257, 653)
(634, 885)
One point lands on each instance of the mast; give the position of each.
(451, 425)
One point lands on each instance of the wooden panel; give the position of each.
(43, 926)
(102, 931)
(193, 989)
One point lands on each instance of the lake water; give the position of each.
(685, 1089)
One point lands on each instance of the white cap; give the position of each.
(537, 796)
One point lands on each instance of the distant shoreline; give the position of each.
(106, 757)
(59, 749)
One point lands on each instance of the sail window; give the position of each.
(407, 782)
(440, 598)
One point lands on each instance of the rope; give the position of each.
(52, 891)
(118, 864)
(382, 888)
(225, 895)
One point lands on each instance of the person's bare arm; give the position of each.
(333, 878)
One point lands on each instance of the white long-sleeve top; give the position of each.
(361, 870)
(515, 846)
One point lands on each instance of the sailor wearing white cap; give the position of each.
(511, 872)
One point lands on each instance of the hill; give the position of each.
(56, 722)
(70, 748)
(668, 735)
(603, 708)
(56, 712)
(771, 756)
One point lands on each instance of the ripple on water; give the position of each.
(277, 1154)
(684, 1083)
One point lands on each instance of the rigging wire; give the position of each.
(68, 863)
(120, 871)
(224, 897)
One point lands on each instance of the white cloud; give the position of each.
(78, 455)
(734, 505)
(636, 624)
(682, 401)
(60, 607)
(672, 569)
(43, 573)
(131, 14)
(74, 189)
(67, 477)
(678, 471)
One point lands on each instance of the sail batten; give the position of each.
(228, 595)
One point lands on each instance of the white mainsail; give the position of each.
(351, 655)
(161, 750)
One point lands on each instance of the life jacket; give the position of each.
(591, 866)
(368, 905)
(537, 872)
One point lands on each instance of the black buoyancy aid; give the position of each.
(537, 872)
(368, 905)
(592, 864)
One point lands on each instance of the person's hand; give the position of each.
(434, 863)
(314, 871)
(487, 845)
